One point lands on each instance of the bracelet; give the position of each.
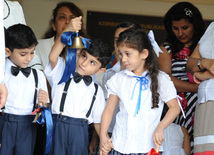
(199, 67)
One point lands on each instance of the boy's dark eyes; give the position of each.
(83, 55)
(92, 62)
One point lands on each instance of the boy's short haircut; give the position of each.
(19, 36)
(100, 50)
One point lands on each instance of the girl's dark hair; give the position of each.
(128, 24)
(138, 39)
(183, 10)
(73, 8)
(19, 36)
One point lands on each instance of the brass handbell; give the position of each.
(77, 42)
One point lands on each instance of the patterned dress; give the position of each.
(189, 99)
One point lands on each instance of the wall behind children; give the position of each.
(38, 12)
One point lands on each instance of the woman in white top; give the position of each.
(201, 63)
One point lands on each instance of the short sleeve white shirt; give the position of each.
(79, 96)
(206, 49)
(133, 134)
(21, 90)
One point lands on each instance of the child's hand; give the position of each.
(158, 136)
(106, 147)
(42, 97)
(92, 145)
(3, 95)
(74, 25)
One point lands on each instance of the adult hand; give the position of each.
(208, 64)
(3, 95)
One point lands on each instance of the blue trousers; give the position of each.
(70, 136)
(18, 135)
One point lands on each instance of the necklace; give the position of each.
(8, 12)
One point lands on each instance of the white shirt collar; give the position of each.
(130, 73)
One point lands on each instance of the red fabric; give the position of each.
(205, 153)
(153, 152)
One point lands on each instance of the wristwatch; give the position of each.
(199, 67)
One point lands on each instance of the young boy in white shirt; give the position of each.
(18, 131)
(84, 102)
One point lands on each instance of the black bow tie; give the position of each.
(87, 79)
(25, 71)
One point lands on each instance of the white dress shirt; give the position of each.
(21, 90)
(133, 134)
(79, 96)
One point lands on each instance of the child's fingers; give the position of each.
(42, 96)
(158, 139)
(106, 148)
(109, 142)
(75, 24)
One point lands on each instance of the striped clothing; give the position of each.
(189, 99)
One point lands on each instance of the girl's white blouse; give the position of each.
(134, 134)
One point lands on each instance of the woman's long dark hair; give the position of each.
(183, 10)
(138, 39)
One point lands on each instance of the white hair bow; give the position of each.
(154, 43)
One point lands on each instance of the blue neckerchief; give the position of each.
(70, 65)
(143, 86)
(46, 118)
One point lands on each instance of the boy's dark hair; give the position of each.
(183, 10)
(100, 50)
(19, 36)
(139, 40)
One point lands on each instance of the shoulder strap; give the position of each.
(64, 95)
(93, 99)
(36, 87)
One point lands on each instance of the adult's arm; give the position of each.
(192, 63)
(166, 66)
